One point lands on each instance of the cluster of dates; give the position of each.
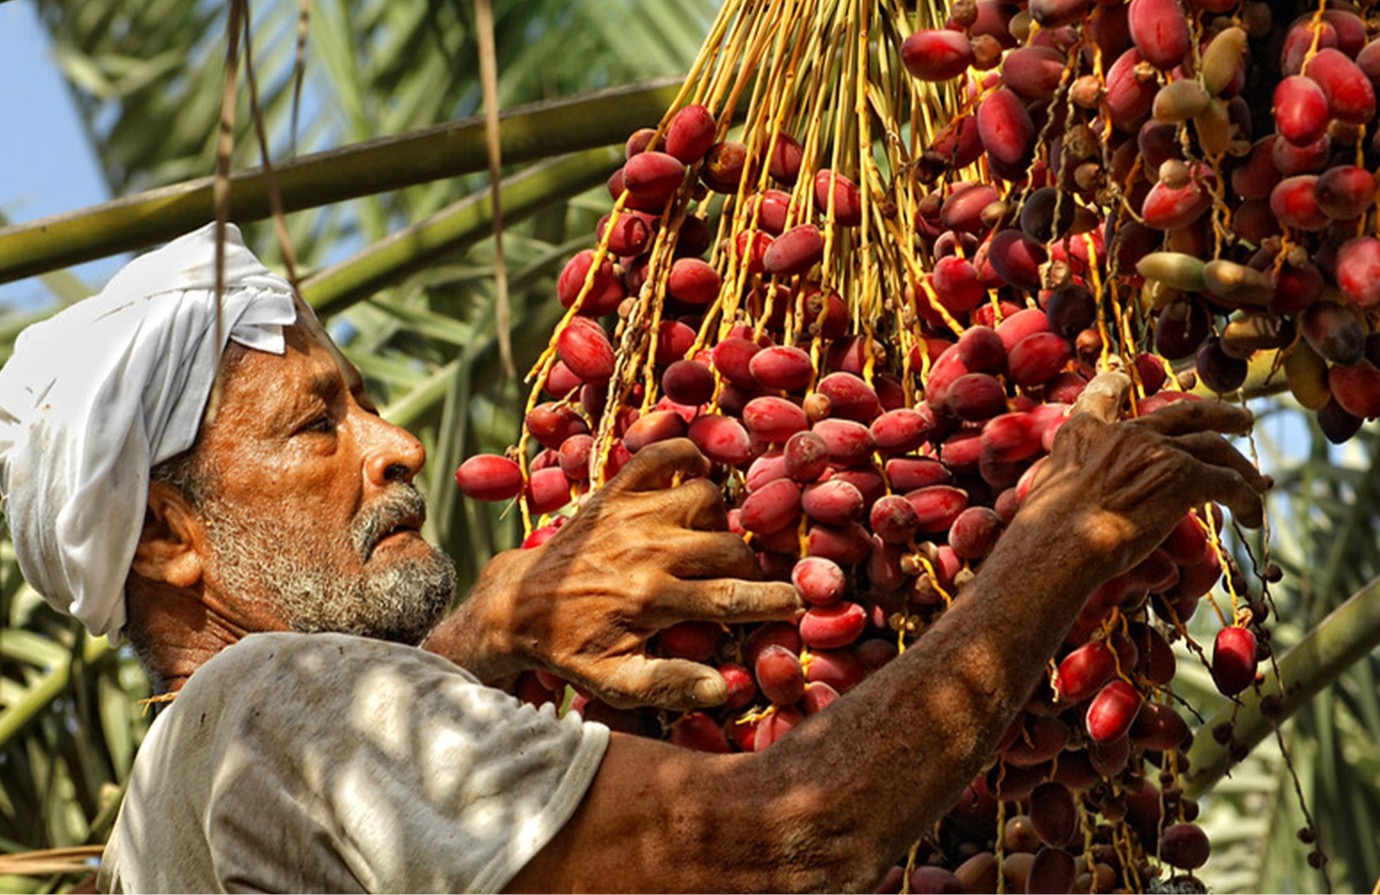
(1222, 153)
(874, 457)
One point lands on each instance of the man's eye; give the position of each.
(322, 424)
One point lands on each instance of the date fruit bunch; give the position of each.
(1227, 152)
(866, 263)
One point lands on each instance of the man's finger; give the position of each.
(665, 683)
(1187, 417)
(702, 554)
(1228, 477)
(656, 466)
(1226, 486)
(1104, 396)
(731, 600)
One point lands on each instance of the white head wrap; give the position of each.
(100, 393)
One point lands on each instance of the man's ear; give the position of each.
(170, 544)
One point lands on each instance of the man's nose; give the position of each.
(394, 454)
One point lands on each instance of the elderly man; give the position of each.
(262, 556)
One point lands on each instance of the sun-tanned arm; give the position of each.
(834, 803)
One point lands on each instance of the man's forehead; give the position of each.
(261, 385)
(324, 353)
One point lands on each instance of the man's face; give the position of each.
(311, 515)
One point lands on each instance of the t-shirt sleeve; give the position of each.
(392, 768)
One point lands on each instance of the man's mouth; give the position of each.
(403, 515)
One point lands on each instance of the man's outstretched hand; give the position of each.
(650, 549)
(1122, 486)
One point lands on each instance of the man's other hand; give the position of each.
(649, 550)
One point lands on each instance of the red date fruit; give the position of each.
(1233, 660)
(1052, 870)
(551, 424)
(962, 210)
(1037, 358)
(974, 532)
(817, 697)
(1184, 845)
(1358, 267)
(975, 397)
(1356, 387)
(1160, 31)
(779, 675)
(937, 506)
(688, 382)
(833, 626)
(698, 731)
(724, 165)
(847, 441)
(1350, 94)
(784, 159)
(691, 133)
(1053, 814)
(585, 349)
(1301, 110)
(1016, 436)
(1173, 208)
(1344, 192)
(1006, 129)
(821, 581)
(656, 425)
(1159, 727)
(936, 54)
(1034, 72)
(782, 367)
(741, 688)
(1334, 331)
(850, 397)
(833, 502)
(910, 473)
(806, 456)
(1021, 324)
(894, 519)
(1017, 259)
(775, 726)
(957, 285)
(1112, 711)
(835, 192)
(982, 350)
(1257, 175)
(795, 251)
(733, 357)
(774, 419)
(1083, 672)
(651, 179)
(693, 281)
(771, 508)
(574, 457)
(489, 477)
(604, 294)
(721, 438)
(547, 490)
(844, 544)
(1294, 201)
(693, 640)
(1129, 97)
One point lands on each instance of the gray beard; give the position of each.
(290, 571)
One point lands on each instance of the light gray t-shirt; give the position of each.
(330, 763)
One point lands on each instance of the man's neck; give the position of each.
(180, 630)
